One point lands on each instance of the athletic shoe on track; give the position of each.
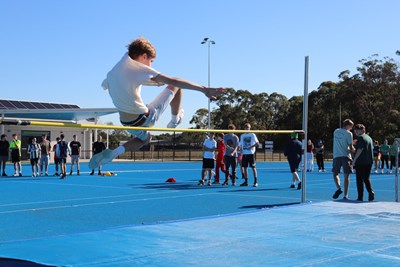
(337, 193)
(299, 186)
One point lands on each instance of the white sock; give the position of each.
(118, 151)
(174, 118)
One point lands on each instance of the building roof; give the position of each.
(50, 111)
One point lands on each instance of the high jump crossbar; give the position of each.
(114, 127)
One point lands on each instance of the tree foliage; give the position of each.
(371, 97)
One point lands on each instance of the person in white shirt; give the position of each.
(248, 144)
(209, 147)
(124, 84)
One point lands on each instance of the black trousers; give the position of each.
(362, 176)
(320, 161)
(230, 162)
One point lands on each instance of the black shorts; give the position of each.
(294, 164)
(248, 161)
(15, 157)
(208, 164)
(34, 161)
(62, 160)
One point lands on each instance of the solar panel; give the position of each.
(7, 104)
(28, 105)
(14, 104)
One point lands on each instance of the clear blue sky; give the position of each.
(60, 51)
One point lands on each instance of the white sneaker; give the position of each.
(101, 158)
(179, 119)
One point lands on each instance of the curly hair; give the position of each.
(141, 46)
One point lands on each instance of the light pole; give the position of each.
(209, 43)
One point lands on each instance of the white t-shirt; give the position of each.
(342, 141)
(124, 83)
(212, 144)
(248, 140)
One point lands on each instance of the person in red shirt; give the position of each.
(220, 157)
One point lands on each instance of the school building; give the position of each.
(52, 112)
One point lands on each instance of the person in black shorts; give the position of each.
(98, 147)
(4, 148)
(293, 152)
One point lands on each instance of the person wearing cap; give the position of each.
(342, 149)
(363, 160)
(293, 152)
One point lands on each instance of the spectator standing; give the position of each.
(62, 151)
(231, 142)
(377, 155)
(4, 150)
(56, 159)
(98, 147)
(15, 147)
(209, 147)
(34, 151)
(385, 151)
(220, 157)
(394, 148)
(363, 160)
(293, 151)
(248, 144)
(342, 149)
(310, 156)
(75, 147)
(320, 149)
(45, 149)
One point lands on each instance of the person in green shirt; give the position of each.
(393, 152)
(363, 160)
(385, 150)
(15, 147)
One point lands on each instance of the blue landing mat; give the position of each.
(319, 234)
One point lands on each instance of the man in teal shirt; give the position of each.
(342, 148)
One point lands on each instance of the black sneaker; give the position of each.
(92, 172)
(225, 183)
(292, 186)
(201, 183)
(4, 174)
(299, 186)
(371, 196)
(244, 184)
(63, 176)
(337, 193)
(77, 173)
(70, 173)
